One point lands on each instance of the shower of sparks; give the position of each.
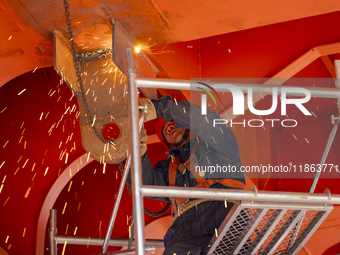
(66, 158)
(66, 230)
(2, 186)
(9, 38)
(7, 239)
(5, 144)
(3, 110)
(175, 101)
(64, 248)
(33, 177)
(25, 163)
(313, 114)
(306, 140)
(35, 69)
(3, 180)
(23, 234)
(16, 171)
(75, 231)
(25, 143)
(104, 168)
(69, 187)
(6, 201)
(33, 167)
(2, 164)
(94, 120)
(27, 192)
(64, 208)
(216, 232)
(78, 207)
(100, 225)
(294, 137)
(46, 171)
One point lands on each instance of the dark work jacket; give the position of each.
(218, 147)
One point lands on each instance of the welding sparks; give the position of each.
(2, 164)
(9, 38)
(23, 234)
(6, 201)
(100, 225)
(75, 231)
(35, 69)
(33, 177)
(66, 158)
(138, 49)
(41, 116)
(25, 163)
(69, 187)
(64, 208)
(306, 140)
(2, 186)
(94, 120)
(27, 192)
(3, 110)
(64, 248)
(294, 137)
(5, 144)
(46, 171)
(7, 239)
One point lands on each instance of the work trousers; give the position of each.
(192, 231)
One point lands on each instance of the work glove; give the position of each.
(143, 138)
(150, 112)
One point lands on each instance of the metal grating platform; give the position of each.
(267, 228)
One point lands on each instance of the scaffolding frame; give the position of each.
(139, 190)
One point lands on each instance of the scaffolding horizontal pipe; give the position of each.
(233, 194)
(256, 88)
(96, 241)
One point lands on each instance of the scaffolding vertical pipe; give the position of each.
(337, 72)
(324, 156)
(52, 231)
(332, 134)
(135, 153)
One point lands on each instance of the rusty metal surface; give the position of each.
(105, 87)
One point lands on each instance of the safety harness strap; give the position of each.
(190, 165)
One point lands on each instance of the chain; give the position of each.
(76, 59)
(128, 186)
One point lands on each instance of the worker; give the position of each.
(194, 145)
